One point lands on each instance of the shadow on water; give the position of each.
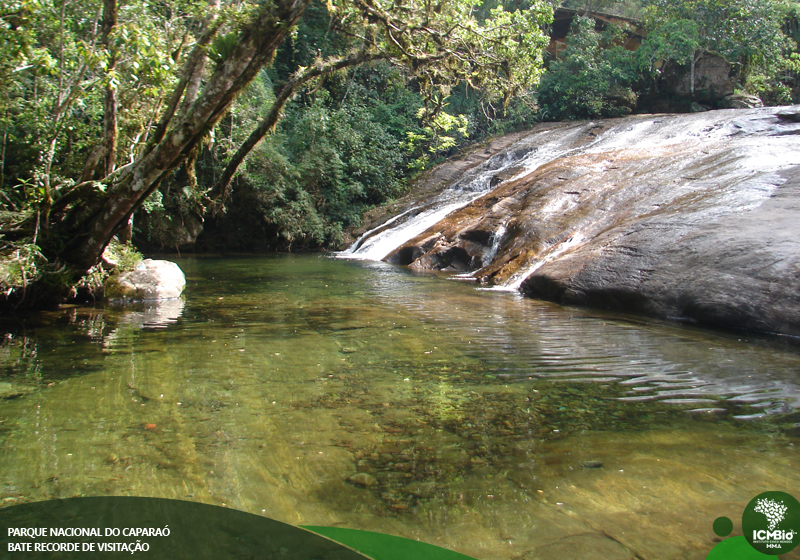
(329, 392)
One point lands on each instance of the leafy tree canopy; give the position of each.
(104, 101)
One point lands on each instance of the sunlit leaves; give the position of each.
(54, 68)
(444, 43)
(746, 31)
(440, 134)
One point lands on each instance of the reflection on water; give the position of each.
(331, 392)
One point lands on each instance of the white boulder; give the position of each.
(152, 280)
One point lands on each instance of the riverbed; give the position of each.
(357, 394)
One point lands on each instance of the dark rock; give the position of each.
(739, 271)
(791, 114)
(740, 101)
(11, 391)
(714, 79)
(685, 218)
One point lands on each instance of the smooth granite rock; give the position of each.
(688, 217)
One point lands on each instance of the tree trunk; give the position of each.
(110, 14)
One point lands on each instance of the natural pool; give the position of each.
(340, 393)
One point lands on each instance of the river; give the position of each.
(359, 394)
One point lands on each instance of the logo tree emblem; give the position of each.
(771, 523)
(774, 511)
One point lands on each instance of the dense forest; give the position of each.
(273, 125)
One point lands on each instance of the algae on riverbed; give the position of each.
(494, 425)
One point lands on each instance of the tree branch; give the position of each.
(221, 188)
(110, 15)
(192, 70)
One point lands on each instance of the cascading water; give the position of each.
(524, 156)
(379, 242)
(494, 244)
(516, 280)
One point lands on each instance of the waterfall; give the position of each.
(494, 244)
(513, 284)
(378, 242)
(520, 158)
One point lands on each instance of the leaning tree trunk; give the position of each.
(110, 15)
(88, 228)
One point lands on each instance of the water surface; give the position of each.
(328, 392)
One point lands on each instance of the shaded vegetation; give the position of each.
(596, 76)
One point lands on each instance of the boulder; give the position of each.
(741, 101)
(714, 79)
(152, 280)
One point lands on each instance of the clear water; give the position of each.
(330, 392)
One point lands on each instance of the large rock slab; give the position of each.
(152, 280)
(740, 271)
(713, 78)
(687, 217)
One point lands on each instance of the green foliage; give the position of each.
(594, 77)
(346, 145)
(442, 133)
(442, 44)
(124, 255)
(623, 8)
(745, 31)
(19, 264)
(677, 40)
(589, 78)
(344, 158)
(329, 166)
(53, 73)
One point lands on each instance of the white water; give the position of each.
(513, 284)
(494, 245)
(474, 184)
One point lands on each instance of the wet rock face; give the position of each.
(740, 271)
(689, 217)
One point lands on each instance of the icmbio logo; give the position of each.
(771, 523)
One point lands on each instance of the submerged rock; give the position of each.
(10, 391)
(152, 280)
(689, 217)
(363, 479)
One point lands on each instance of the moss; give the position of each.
(28, 279)
(19, 265)
(123, 256)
